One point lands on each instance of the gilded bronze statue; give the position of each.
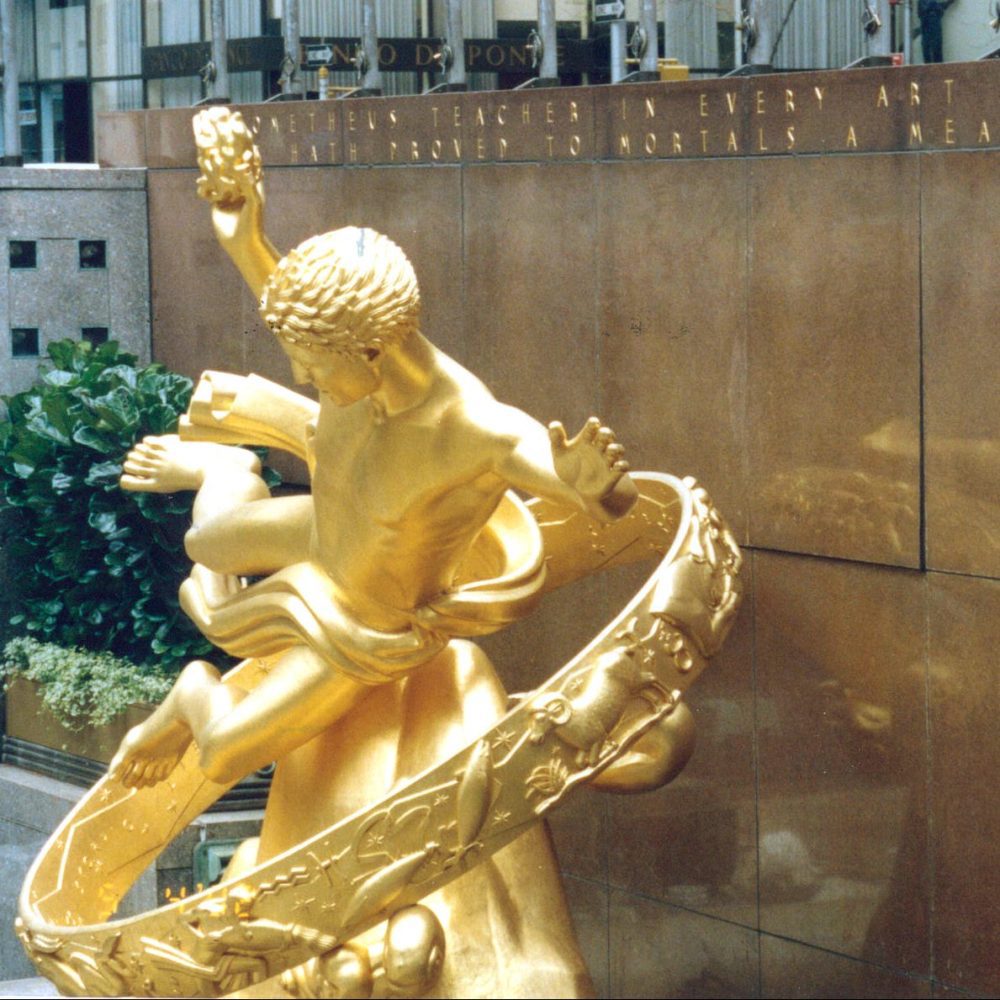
(402, 850)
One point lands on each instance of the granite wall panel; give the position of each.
(672, 320)
(842, 744)
(834, 355)
(964, 635)
(960, 234)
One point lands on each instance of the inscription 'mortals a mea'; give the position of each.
(776, 116)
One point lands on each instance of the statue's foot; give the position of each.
(149, 752)
(166, 464)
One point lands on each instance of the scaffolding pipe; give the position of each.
(764, 18)
(371, 77)
(456, 42)
(11, 118)
(737, 44)
(220, 54)
(548, 68)
(618, 44)
(908, 32)
(291, 80)
(880, 40)
(649, 60)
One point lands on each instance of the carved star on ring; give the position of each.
(501, 816)
(504, 740)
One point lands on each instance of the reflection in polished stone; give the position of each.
(842, 741)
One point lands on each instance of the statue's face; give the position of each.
(344, 379)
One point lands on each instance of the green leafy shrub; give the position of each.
(91, 565)
(80, 687)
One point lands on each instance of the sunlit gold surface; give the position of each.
(400, 771)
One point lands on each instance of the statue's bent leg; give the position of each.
(236, 731)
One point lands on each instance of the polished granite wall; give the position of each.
(813, 337)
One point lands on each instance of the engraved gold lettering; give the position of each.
(352, 121)
(760, 102)
(914, 93)
(852, 139)
(414, 150)
(292, 123)
(312, 121)
(949, 131)
(625, 144)
(984, 132)
(704, 140)
(393, 150)
(333, 150)
(393, 117)
(574, 111)
(526, 113)
(731, 101)
(456, 116)
(790, 136)
(548, 143)
(436, 149)
(650, 107)
(703, 105)
(372, 120)
(313, 155)
(352, 152)
(480, 148)
(500, 114)
(331, 120)
(731, 145)
(649, 143)
(480, 117)
(820, 93)
(503, 148)
(948, 84)
(789, 101)
(882, 101)
(293, 151)
(456, 145)
(434, 113)
(916, 133)
(275, 124)
(624, 109)
(550, 113)
(574, 145)
(761, 145)
(676, 142)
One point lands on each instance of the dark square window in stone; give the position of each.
(23, 254)
(24, 341)
(94, 335)
(93, 254)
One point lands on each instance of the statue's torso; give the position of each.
(399, 499)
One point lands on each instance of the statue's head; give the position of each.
(351, 291)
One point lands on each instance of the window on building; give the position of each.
(95, 335)
(24, 341)
(93, 254)
(23, 254)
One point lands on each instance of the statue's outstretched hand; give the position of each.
(231, 175)
(592, 464)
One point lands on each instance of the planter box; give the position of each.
(37, 741)
(29, 720)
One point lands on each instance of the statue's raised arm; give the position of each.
(232, 181)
